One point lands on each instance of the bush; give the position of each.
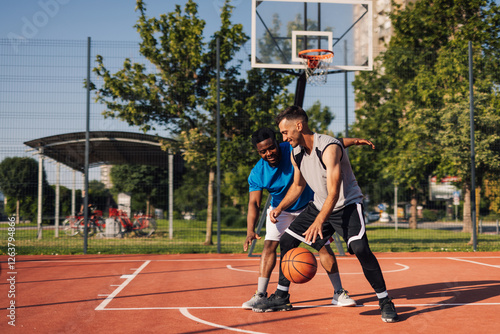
(430, 215)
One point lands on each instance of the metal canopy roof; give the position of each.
(106, 147)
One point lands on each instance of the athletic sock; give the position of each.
(336, 282)
(282, 291)
(382, 295)
(262, 284)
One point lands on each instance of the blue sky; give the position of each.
(107, 20)
(75, 20)
(101, 20)
(113, 20)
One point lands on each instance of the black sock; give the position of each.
(281, 293)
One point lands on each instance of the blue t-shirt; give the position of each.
(277, 180)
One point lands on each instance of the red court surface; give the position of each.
(202, 293)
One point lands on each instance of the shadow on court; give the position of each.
(445, 294)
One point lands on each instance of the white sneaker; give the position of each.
(257, 298)
(341, 298)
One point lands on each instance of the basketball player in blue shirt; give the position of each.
(274, 172)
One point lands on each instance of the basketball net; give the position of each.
(317, 63)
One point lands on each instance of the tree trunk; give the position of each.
(413, 210)
(17, 211)
(210, 206)
(467, 228)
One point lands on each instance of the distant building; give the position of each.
(106, 176)
(382, 27)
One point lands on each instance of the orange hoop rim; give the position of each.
(326, 54)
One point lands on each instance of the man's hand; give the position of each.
(248, 241)
(313, 231)
(273, 215)
(364, 142)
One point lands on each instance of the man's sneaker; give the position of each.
(388, 310)
(259, 297)
(341, 298)
(274, 303)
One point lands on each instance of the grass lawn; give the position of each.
(189, 237)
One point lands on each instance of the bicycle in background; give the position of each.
(142, 225)
(74, 225)
(70, 225)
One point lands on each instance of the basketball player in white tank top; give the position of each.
(322, 162)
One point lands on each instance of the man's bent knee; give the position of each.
(270, 246)
(360, 247)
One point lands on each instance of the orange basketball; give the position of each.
(299, 265)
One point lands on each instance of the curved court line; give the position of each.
(186, 313)
(404, 267)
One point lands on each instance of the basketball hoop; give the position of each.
(316, 62)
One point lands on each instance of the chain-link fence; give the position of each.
(43, 94)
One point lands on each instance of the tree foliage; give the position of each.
(147, 185)
(415, 104)
(19, 183)
(181, 94)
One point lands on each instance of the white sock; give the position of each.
(262, 284)
(382, 295)
(336, 282)
(282, 288)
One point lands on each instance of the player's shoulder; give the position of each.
(259, 166)
(323, 138)
(285, 147)
(323, 141)
(255, 176)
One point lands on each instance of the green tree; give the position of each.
(147, 184)
(492, 192)
(320, 118)
(99, 195)
(411, 101)
(19, 181)
(181, 93)
(65, 198)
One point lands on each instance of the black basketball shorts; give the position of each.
(348, 222)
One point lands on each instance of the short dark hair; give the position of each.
(292, 113)
(263, 134)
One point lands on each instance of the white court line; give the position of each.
(295, 307)
(108, 299)
(342, 273)
(186, 313)
(475, 262)
(339, 258)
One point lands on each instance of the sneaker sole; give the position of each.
(343, 305)
(287, 307)
(390, 320)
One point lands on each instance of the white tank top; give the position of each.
(314, 172)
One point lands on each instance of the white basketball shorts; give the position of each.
(274, 231)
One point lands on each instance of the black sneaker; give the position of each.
(388, 310)
(274, 303)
